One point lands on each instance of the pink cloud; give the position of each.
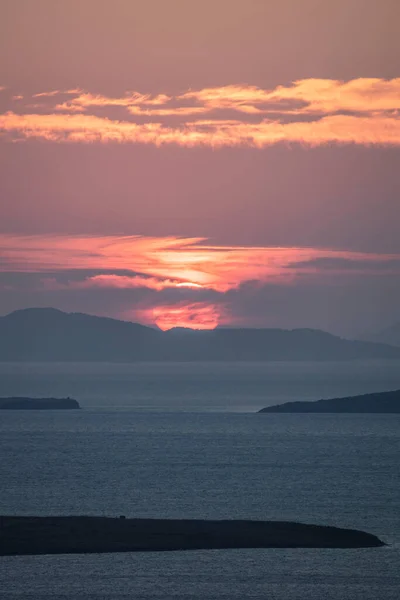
(170, 262)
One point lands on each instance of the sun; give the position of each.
(188, 284)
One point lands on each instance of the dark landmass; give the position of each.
(52, 335)
(66, 535)
(38, 403)
(381, 402)
(389, 335)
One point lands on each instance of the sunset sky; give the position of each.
(225, 162)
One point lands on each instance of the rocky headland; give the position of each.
(380, 402)
(26, 403)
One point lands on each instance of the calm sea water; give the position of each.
(185, 441)
(197, 386)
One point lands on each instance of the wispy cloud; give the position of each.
(114, 281)
(313, 112)
(170, 262)
(54, 93)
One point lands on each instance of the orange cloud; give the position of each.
(84, 100)
(325, 96)
(313, 112)
(341, 129)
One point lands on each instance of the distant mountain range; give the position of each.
(389, 335)
(47, 334)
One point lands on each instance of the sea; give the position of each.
(186, 441)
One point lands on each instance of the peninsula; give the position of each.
(77, 535)
(22, 403)
(380, 402)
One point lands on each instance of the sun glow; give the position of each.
(197, 315)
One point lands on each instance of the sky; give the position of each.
(202, 164)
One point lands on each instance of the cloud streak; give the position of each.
(312, 112)
(172, 262)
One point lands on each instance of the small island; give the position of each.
(22, 403)
(77, 535)
(378, 403)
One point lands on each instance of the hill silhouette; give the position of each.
(47, 334)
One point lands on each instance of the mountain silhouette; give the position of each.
(47, 334)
